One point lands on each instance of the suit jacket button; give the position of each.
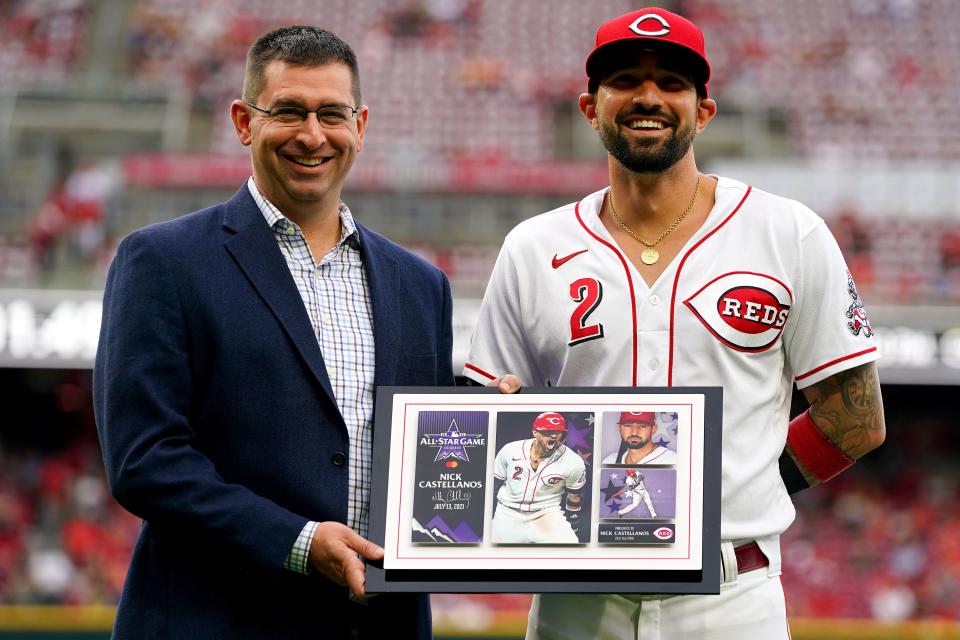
(338, 459)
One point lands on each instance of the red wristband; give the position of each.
(818, 455)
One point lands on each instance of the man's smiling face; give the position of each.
(301, 167)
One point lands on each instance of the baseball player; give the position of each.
(536, 475)
(637, 429)
(671, 277)
(635, 490)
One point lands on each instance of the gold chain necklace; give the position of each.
(651, 255)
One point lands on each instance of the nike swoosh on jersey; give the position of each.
(559, 261)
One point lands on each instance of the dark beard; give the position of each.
(647, 159)
(639, 445)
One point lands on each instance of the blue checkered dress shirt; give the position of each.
(334, 292)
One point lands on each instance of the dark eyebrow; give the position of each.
(290, 102)
(286, 102)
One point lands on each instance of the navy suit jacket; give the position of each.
(219, 427)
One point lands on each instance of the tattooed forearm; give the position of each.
(848, 409)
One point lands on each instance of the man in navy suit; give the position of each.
(234, 381)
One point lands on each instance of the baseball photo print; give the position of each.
(541, 476)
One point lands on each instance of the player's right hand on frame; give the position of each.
(335, 552)
(508, 383)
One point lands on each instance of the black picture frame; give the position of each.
(539, 569)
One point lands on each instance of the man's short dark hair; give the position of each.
(298, 45)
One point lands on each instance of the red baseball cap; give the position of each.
(549, 421)
(650, 27)
(637, 417)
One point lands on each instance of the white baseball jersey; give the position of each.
(528, 489)
(659, 455)
(759, 297)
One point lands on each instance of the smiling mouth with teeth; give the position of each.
(307, 162)
(645, 124)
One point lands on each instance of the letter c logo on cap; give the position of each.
(635, 27)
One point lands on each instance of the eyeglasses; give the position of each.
(330, 116)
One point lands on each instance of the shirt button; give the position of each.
(654, 299)
(654, 363)
(338, 459)
(326, 319)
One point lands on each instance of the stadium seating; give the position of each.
(473, 79)
(42, 42)
(857, 80)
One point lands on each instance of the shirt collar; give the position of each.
(279, 222)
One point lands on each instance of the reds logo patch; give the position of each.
(857, 314)
(745, 311)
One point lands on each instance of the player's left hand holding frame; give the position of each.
(474, 489)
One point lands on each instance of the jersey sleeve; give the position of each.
(828, 330)
(500, 465)
(577, 477)
(499, 345)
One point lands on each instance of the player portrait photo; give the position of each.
(542, 478)
(638, 493)
(639, 437)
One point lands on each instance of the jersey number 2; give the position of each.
(588, 292)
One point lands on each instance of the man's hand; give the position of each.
(334, 553)
(506, 384)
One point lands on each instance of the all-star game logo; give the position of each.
(453, 444)
(859, 322)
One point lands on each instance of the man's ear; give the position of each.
(706, 110)
(588, 107)
(362, 117)
(240, 115)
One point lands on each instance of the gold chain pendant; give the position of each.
(649, 256)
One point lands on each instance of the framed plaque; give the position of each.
(549, 490)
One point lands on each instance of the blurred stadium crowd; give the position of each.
(462, 84)
(458, 89)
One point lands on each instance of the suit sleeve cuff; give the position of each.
(297, 559)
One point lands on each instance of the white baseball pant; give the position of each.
(750, 605)
(547, 526)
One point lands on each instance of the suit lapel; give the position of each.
(255, 249)
(383, 278)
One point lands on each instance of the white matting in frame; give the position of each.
(649, 526)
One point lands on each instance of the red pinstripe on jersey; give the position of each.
(676, 277)
(626, 271)
(538, 477)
